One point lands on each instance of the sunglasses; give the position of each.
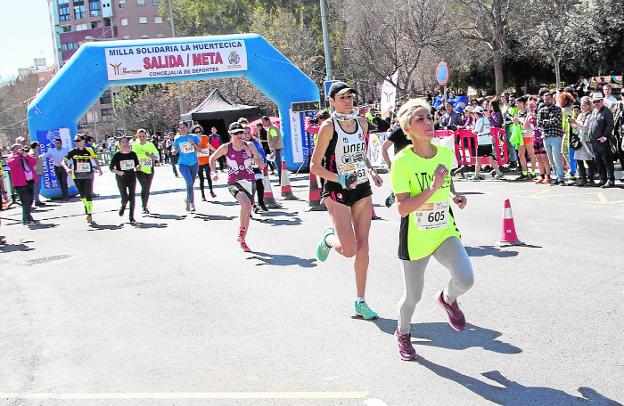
(197, 132)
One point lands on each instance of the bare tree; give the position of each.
(390, 36)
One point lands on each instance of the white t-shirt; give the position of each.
(482, 128)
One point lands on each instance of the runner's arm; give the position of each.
(384, 152)
(407, 204)
(256, 155)
(222, 150)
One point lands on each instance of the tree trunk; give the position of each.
(557, 61)
(498, 73)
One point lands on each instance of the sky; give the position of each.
(25, 34)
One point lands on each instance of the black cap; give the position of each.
(236, 128)
(338, 88)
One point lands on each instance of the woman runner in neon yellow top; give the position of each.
(424, 189)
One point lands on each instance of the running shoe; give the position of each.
(456, 318)
(146, 210)
(499, 176)
(244, 246)
(213, 195)
(362, 310)
(188, 205)
(406, 349)
(390, 200)
(122, 209)
(132, 221)
(204, 199)
(89, 219)
(322, 248)
(192, 207)
(521, 178)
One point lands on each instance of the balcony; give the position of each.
(99, 33)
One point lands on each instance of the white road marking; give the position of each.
(182, 395)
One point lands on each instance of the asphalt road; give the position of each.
(172, 312)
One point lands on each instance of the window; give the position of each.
(159, 35)
(79, 12)
(106, 98)
(126, 37)
(124, 21)
(158, 20)
(142, 20)
(107, 114)
(64, 13)
(66, 28)
(81, 27)
(155, 2)
(63, 2)
(140, 3)
(144, 36)
(94, 8)
(122, 3)
(68, 46)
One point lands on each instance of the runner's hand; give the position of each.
(101, 173)
(215, 177)
(439, 175)
(377, 179)
(460, 201)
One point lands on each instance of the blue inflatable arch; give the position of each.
(56, 110)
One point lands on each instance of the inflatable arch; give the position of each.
(56, 110)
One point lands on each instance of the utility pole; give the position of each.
(173, 34)
(329, 71)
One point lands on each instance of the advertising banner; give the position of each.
(50, 187)
(150, 61)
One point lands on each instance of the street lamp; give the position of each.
(329, 71)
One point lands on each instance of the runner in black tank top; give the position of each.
(347, 191)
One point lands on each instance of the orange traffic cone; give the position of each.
(509, 237)
(287, 193)
(314, 196)
(269, 200)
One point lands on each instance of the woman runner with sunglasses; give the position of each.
(239, 156)
(80, 160)
(424, 188)
(340, 158)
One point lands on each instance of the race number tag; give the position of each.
(432, 215)
(187, 147)
(126, 164)
(359, 168)
(83, 167)
(147, 163)
(205, 152)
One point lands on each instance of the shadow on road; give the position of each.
(282, 260)
(166, 216)
(99, 227)
(139, 224)
(15, 247)
(226, 203)
(442, 336)
(489, 250)
(41, 226)
(514, 393)
(209, 217)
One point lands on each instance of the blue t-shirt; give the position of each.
(186, 152)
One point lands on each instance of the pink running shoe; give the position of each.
(406, 349)
(456, 318)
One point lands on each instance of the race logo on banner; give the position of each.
(152, 61)
(388, 96)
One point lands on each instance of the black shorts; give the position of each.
(236, 188)
(347, 197)
(485, 150)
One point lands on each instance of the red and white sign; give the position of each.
(170, 60)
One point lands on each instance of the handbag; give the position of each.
(575, 141)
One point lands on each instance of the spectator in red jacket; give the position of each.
(23, 178)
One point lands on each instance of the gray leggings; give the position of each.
(452, 255)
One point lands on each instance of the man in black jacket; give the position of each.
(600, 130)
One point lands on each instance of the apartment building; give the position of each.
(75, 22)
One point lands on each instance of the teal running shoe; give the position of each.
(362, 310)
(322, 248)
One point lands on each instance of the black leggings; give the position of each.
(127, 186)
(586, 174)
(145, 180)
(85, 189)
(204, 169)
(260, 192)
